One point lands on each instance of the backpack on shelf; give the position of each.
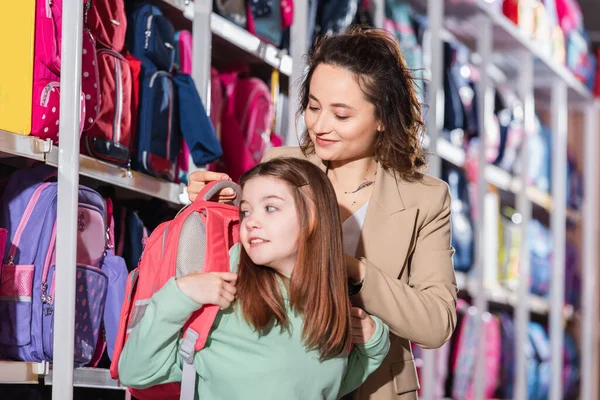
(199, 139)
(111, 137)
(541, 348)
(29, 207)
(199, 238)
(462, 223)
(151, 39)
(46, 73)
(539, 241)
(246, 121)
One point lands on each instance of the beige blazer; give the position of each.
(409, 281)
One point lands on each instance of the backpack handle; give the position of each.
(214, 187)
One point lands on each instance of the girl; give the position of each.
(286, 326)
(364, 129)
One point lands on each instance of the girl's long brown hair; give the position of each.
(317, 289)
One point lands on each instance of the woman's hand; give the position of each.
(198, 179)
(210, 288)
(363, 326)
(354, 268)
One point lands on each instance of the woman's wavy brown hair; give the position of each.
(375, 59)
(317, 288)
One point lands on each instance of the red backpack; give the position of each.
(197, 239)
(110, 138)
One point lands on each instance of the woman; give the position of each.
(364, 128)
(277, 337)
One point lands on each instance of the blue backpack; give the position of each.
(461, 222)
(539, 240)
(571, 371)
(540, 380)
(507, 370)
(151, 39)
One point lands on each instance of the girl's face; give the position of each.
(270, 227)
(341, 123)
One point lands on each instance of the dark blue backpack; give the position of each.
(151, 39)
(507, 369)
(461, 222)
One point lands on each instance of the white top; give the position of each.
(352, 228)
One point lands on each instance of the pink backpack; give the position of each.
(246, 121)
(287, 13)
(465, 356)
(46, 73)
(199, 239)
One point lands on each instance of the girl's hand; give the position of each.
(198, 179)
(363, 326)
(210, 288)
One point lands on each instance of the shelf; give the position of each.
(495, 293)
(40, 150)
(21, 372)
(501, 179)
(239, 37)
(97, 378)
(31, 372)
(463, 20)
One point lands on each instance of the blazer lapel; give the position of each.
(389, 229)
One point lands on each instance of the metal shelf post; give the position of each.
(68, 198)
(435, 112)
(298, 50)
(486, 106)
(589, 266)
(201, 56)
(522, 309)
(559, 104)
(435, 95)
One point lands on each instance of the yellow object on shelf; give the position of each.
(17, 30)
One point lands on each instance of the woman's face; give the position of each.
(270, 227)
(341, 122)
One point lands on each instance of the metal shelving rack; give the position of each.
(501, 45)
(206, 26)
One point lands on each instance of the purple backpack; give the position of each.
(28, 212)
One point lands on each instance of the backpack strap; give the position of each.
(188, 379)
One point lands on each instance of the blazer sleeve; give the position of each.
(424, 309)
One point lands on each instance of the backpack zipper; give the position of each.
(119, 102)
(170, 120)
(46, 93)
(118, 93)
(24, 220)
(148, 31)
(48, 8)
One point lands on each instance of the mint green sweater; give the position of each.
(238, 364)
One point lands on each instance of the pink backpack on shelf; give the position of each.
(46, 73)
(465, 356)
(246, 121)
(287, 13)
